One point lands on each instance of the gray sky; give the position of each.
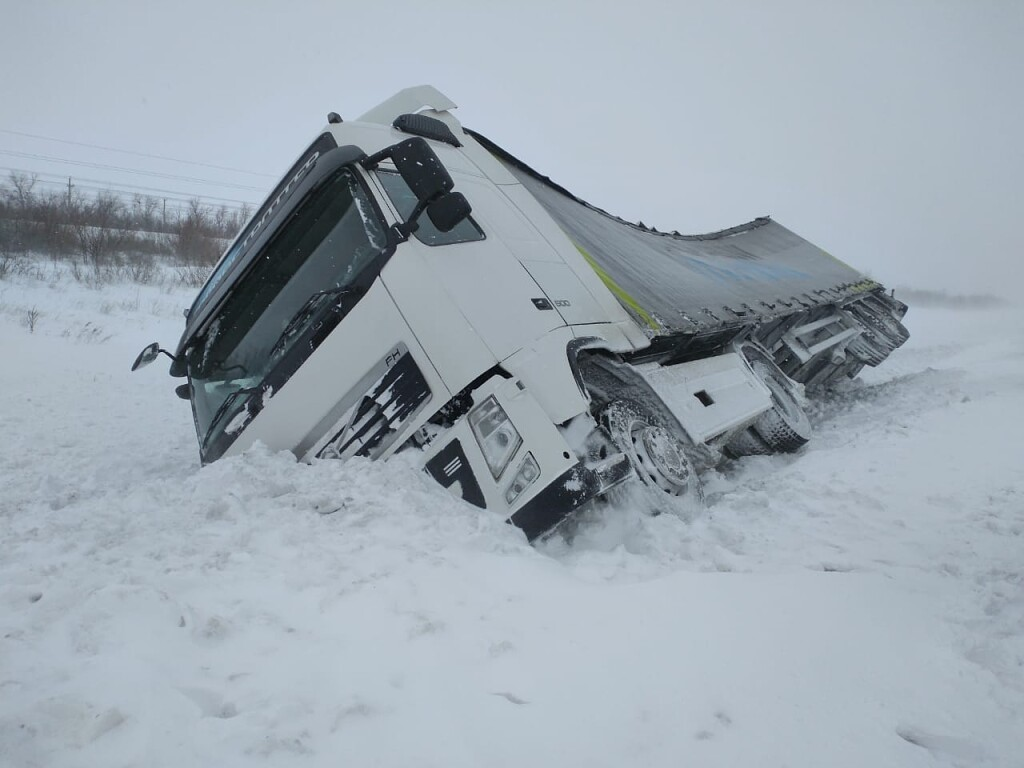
(888, 133)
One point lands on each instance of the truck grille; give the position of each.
(376, 421)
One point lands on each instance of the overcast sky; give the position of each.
(888, 133)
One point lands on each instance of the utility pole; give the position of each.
(69, 193)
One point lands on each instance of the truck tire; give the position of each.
(784, 427)
(658, 458)
(892, 327)
(883, 324)
(868, 349)
(747, 443)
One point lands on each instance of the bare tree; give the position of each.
(194, 243)
(244, 214)
(22, 191)
(100, 235)
(143, 212)
(51, 217)
(220, 219)
(20, 194)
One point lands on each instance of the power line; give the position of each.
(136, 154)
(104, 166)
(171, 205)
(127, 194)
(123, 187)
(130, 190)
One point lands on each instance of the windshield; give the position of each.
(324, 144)
(310, 267)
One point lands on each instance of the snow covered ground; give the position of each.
(858, 604)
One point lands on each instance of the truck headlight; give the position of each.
(529, 471)
(498, 439)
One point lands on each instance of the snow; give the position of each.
(858, 604)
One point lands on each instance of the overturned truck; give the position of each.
(411, 285)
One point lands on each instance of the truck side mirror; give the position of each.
(147, 356)
(421, 169)
(448, 211)
(430, 182)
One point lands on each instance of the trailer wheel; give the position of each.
(659, 459)
(887, 330)
(868, 349)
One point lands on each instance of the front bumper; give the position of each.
(563, 484)
(568, 492)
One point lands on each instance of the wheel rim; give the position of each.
(661, 458)
(658, 457)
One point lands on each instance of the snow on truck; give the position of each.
(411, 285)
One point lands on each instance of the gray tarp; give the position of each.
(692, 283)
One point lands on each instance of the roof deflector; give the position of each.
(408, 100)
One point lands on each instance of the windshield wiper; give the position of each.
(311, 309)
(225, 408)
(316, 305)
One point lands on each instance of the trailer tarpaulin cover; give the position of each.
(690, 283)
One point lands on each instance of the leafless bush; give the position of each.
(33, 270)
(7, 264)
(87, 334)
(92, 275)
(76, 270)
(193, 275)
(130, 305)
(30, 319)
(125, 305)
(196, 242)
(63, 224)
(54, 277)
(51, 215)
(139, 269)
(28, 267)
(100, 240)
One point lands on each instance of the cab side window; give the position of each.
(404, 201)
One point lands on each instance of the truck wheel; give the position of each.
(891, 327)
(868, 349)
(658, 458)
(747, 443)
(882, 324)
(784, 427)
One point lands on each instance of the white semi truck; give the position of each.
(409, 285)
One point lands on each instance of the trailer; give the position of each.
(410, 285)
